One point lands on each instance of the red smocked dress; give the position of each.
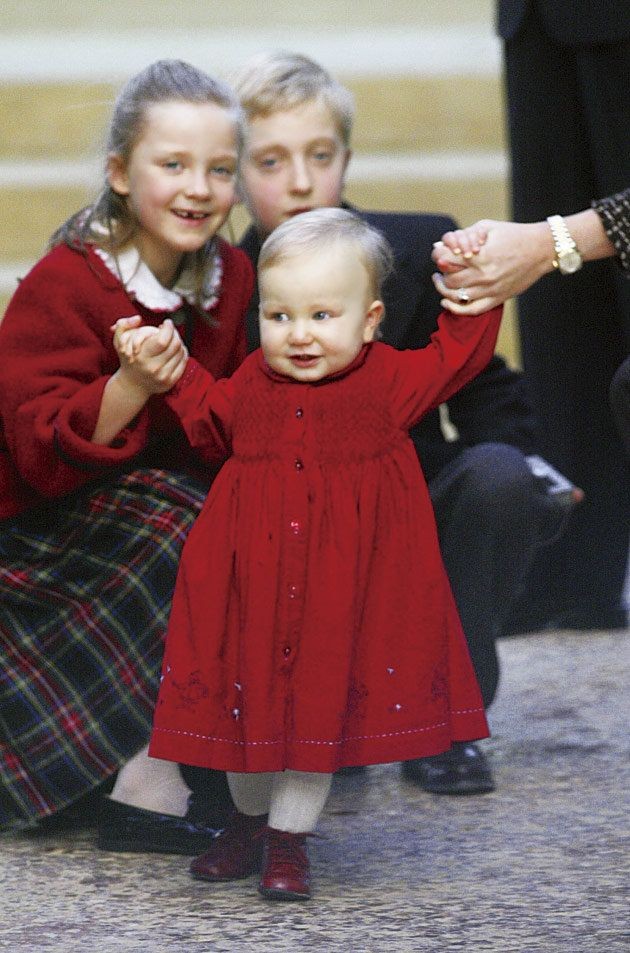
(313, 625)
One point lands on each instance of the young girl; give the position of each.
(95, 498)
(312, 626)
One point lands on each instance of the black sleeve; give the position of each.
(495, 407)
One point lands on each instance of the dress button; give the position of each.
(299, 464)
(299, 412)
(293, 590)
(286, 651)
(295, 527)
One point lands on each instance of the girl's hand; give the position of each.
(151, 359)
(128, 337)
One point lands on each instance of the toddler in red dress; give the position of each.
(313, 625)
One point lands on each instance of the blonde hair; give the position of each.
(108, 222)
(309, 232)
(275, 81)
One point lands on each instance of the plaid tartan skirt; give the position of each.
(85, 591)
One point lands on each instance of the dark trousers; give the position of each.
(492, 517)
(569, 125)
(620, 401)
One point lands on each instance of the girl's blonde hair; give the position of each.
(311, 232)
(270, 82)
(108, 222)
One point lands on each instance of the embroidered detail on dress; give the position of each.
(191, 691)
(357, 694)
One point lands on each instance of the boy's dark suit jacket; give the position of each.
(572, 22)
(493, 407)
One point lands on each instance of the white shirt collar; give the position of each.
(141, 283)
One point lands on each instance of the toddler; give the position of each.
(313, 626)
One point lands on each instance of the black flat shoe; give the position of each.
(125, 828)
(81, 815)
(461, 770)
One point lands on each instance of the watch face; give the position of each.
(569, 262)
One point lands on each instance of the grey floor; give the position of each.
(540, 865)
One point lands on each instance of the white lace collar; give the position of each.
(141, 283)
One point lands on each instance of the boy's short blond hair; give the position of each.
(275, 81)
(311, 232)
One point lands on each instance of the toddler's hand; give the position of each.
(458, 247)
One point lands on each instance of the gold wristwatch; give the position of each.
(568, 259)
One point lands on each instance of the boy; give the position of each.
(491, 515)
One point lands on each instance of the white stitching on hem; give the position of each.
(390, 734)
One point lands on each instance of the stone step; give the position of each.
(395, 113)
(99, 17)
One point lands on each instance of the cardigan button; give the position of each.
(295, 527)
(299, 465)
(299, 412)
(286, 651)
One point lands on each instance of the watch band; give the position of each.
(568, 259)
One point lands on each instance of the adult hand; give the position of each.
(489, 262)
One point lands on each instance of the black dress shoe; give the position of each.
(461, 770)
(541, 619)
(608, 618)
(125, 828)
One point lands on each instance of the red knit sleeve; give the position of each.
(202, 403)
(55, 359)
(458, 351)
(204, 407)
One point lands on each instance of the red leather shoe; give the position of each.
(235, 853)
(286, 873)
